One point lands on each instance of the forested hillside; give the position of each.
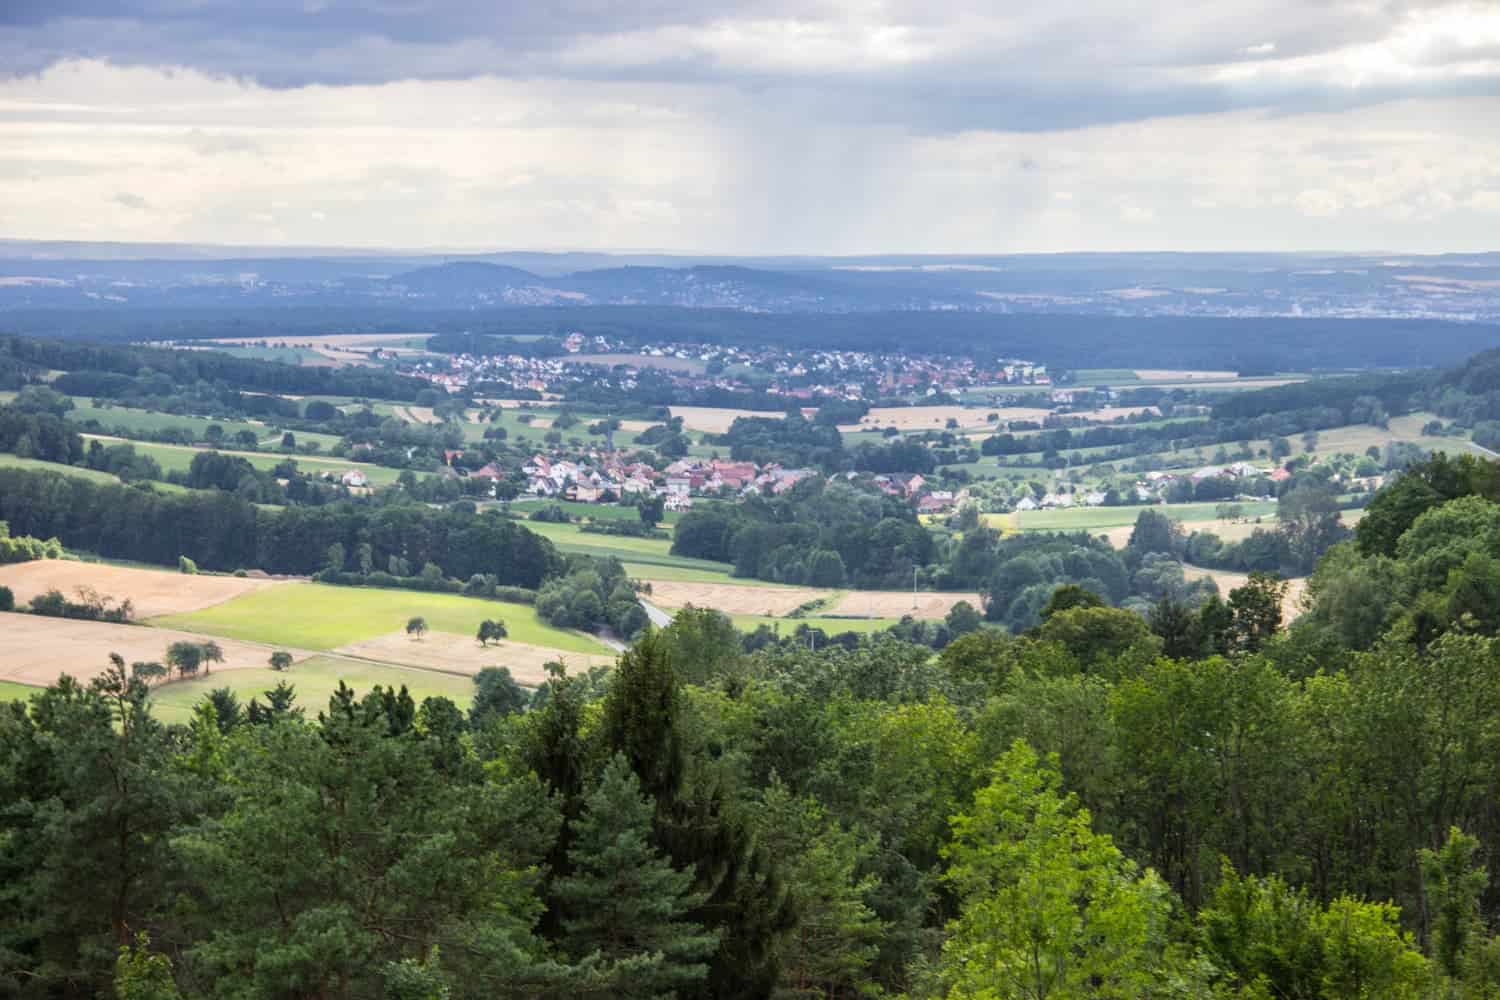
(1194, 803)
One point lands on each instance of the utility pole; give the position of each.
(914, 588)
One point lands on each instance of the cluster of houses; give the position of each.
(689, 477)
(805, 375)
(607, 477)
(912, 487)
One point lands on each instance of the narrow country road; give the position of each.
(1483, 450)
(658, 617)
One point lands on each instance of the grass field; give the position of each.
(641, 551)
(1093, 518)
(593, 511)
(833, 626)
(9, 461)
(315, 679)
(11, 691)
(178, 457)
(321, 617)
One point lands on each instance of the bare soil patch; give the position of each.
(732, 598)
(461, 654)
(896, 603)
(39, 650)
(935, 418)
(152, 592)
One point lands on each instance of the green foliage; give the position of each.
(1048, 907)
(23, 549)
(624, 901)
(1271, 940)
(491, 630)
(142, 975)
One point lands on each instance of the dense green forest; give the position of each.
(1190, 804)
(221, 531)
(1266, 344)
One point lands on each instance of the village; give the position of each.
(801, 375)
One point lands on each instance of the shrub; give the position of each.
(7, 599)
(186, 565)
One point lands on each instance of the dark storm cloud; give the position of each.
(940, 67)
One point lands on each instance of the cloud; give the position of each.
(947, 66)
(130, 200)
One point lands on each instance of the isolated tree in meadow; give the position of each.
(489, 630)
(416, 626)
(281, 660)
(185, 657)
(212, 653)
(147, 670)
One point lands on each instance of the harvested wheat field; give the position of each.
(460, 654)
(415, 414)
(1227, 530)
(732, 598)
(897, 603)
(714, 419)
(1291, 605)
(151, 592)
(38, 650)
(935, 418)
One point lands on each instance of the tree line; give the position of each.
(221, 531)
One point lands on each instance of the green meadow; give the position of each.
(320, 616)
(1089, 518)
(178, 457)
(315, 680)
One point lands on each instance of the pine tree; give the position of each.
(698, 827)
(624, 899)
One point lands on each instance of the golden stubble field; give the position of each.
(458, 654)
(1291, 604)
(777, 602)
(898, 603)
(713, 419)
(39, 650)
(732, 598)
(935, 418)
(151, 592)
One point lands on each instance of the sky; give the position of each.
(721, 126)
